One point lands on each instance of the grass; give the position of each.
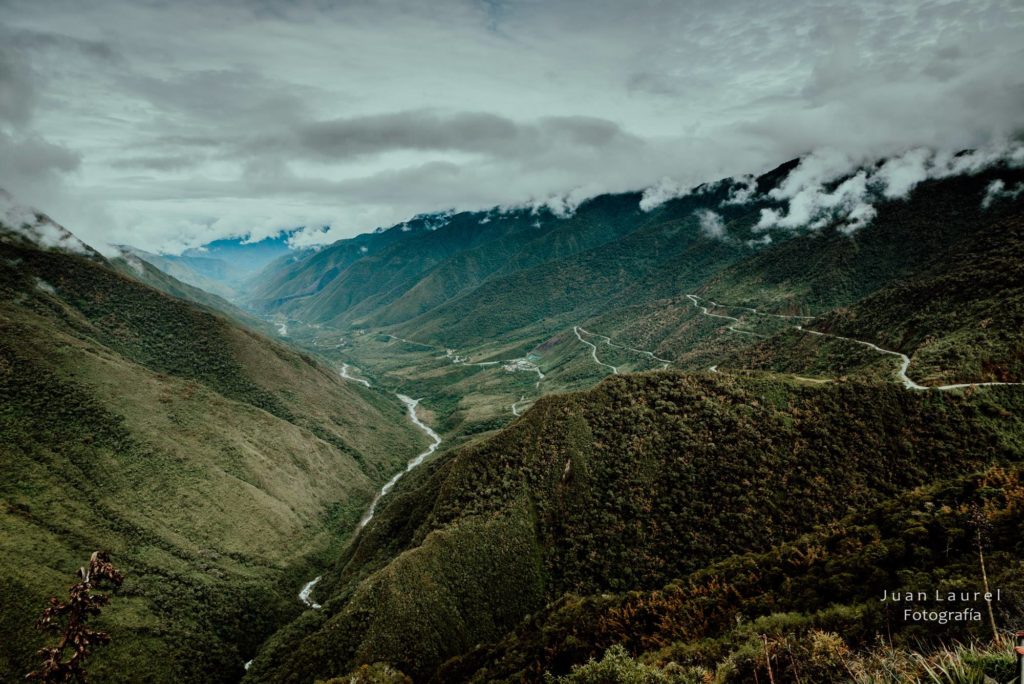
(219, 468)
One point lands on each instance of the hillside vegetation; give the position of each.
(644, 480)
(220, 469)
(934, 275)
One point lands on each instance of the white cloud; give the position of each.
(664, 190)
(743, 190)
(899, 175)
(997, 191)
(711, 224)
(810, 203)
(36, 227)
(167, 125)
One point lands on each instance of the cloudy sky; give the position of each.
(169, 124)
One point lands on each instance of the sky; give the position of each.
(166, 125)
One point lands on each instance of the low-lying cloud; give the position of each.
(168, 125)
(711, 223)
(812, 202)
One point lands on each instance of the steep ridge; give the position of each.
(393, 275)
(219, 468)
(826, 583)
(640, 481)
(142, 270)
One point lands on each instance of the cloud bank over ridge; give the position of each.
(168, 125)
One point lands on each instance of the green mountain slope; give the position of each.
(391, 276)
(410, 313)
(145, 272)
(219, 468)
(645, 479)
(960, 317)
(814, 600)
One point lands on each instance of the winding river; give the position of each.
(411, 405)
(306, 594)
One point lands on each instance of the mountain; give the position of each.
(188, 270)
(414, 266)
(135, 264)
(688, 442)
(220, 267)
(791, 420)
(493, 287)
(470, 277)
(645, 480)
(221, 469)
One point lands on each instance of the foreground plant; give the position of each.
(64, 662)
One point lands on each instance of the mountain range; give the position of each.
(686, 440)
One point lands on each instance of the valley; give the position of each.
(467, 468)
(484, 390)
(511, 342)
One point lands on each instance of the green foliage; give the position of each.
(616, 667)
(214, 464)
(652, 478)
(794, 599)
(378, 673)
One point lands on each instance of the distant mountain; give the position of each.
(218, 467)
(221, 266)
(190, 270)
(141, 266)
(483, 276)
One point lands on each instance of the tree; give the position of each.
(64, 662)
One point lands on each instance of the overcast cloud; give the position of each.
(169, 124)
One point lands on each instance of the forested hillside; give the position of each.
(642, 481)
(219, 468)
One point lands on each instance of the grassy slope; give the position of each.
(640, 481)
(217, 466)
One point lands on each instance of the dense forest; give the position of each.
(650, 481)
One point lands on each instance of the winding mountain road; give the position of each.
(901, 372)
(732, 328)
(752, 310)
(593, 350)
(642, 352)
